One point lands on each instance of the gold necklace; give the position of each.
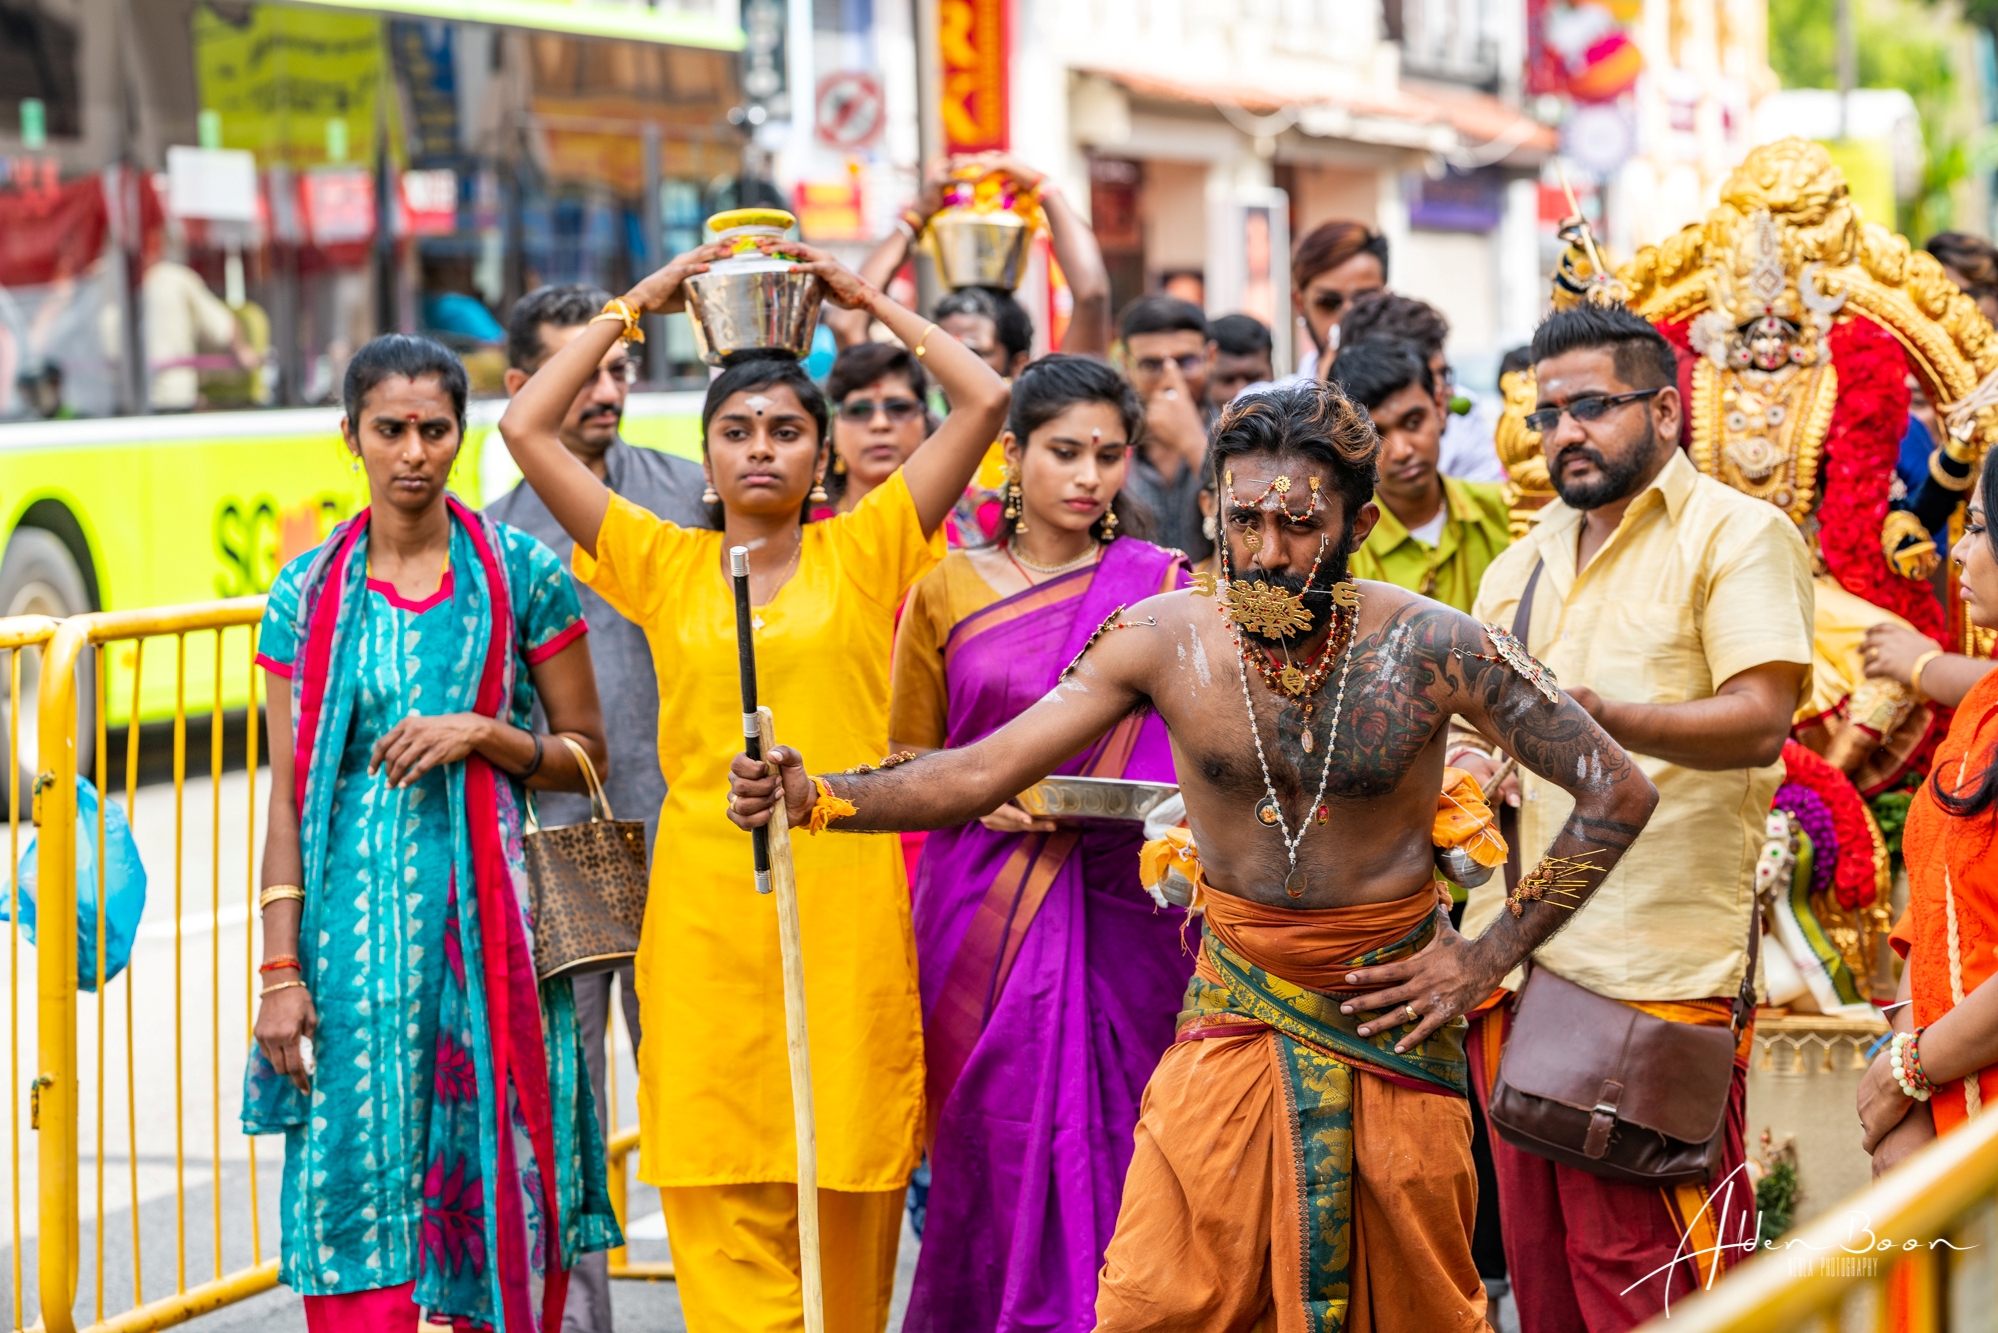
(1087, 557)
(790, 568)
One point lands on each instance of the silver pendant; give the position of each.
(1294, 884)
(1267, 813)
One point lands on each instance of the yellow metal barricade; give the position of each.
(1916, 1253)
(114, 650)
(22, 638)
(86, 641)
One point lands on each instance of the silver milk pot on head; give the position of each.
(750, 301)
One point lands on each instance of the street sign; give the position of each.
(849, 112)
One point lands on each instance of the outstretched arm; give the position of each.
(1558, 740)
(532, 422)
(946, 787)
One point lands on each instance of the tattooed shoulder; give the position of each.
(1401, 693)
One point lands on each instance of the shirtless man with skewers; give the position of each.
(1305, 1146)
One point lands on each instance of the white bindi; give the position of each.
(757, 402)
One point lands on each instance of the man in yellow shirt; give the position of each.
(1437, 534)
(1677, 611)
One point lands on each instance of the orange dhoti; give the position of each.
(1290, 1175)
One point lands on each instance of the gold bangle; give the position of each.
(1944, 479)
(277, 893)
(619, 309)
(1915, 671)
(282, 985)
(922, 343)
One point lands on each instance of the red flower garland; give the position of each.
(1856, 465)
(1861, 448)
(1852, 876)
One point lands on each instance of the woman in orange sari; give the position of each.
(1941, 1067)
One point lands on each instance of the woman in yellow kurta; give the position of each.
(714, 1096)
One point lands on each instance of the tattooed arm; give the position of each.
(947, 787)
(1558, 740)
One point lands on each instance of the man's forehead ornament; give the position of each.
(1274, 496)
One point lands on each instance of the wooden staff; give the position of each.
(774, 872)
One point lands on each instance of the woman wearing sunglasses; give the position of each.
(879, 418)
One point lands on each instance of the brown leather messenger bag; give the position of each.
(1592, 1083)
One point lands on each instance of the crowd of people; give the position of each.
(1268, 1060)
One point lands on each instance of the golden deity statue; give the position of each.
(1798, 326)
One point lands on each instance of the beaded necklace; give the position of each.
(1269, 810)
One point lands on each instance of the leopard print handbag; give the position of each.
(588, 882)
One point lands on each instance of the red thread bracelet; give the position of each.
(280, 963)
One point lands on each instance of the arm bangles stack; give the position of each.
(277, 893)
(1904, 1055)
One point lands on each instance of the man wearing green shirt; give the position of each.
(1436, 534)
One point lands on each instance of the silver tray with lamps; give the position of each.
(1093, 798)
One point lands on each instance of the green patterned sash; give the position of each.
(1317, 1049)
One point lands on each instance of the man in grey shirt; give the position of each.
(541, 323)
(1168, 352)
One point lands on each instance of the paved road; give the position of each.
(197, 928)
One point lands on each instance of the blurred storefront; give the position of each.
(209, 203)
(1206, 139)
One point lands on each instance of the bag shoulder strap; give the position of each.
(599, 803)
(1522, 617)
(1522, 624)
(1744, 1000)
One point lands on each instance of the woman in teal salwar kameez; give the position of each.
(441, 1152)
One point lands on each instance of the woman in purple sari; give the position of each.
(1050, 981)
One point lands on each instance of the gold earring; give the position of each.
(839, 464)
(711, 496)
(1109, 525)
(1015, 498)
(818, 495)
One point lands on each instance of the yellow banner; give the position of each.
(297, 87)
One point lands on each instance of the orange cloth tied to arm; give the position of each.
(1464, 820)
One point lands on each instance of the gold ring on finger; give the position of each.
(1413, 1017)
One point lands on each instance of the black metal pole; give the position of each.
(752, 735)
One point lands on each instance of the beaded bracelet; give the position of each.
(1904, 1056)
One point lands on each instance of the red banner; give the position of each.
(50, 229)
(975, 43)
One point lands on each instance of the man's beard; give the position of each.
(1617, 479)
(1317, 598)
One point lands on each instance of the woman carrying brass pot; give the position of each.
(715, 1105)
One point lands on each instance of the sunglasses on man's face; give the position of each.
(1590, 407)
(1155, 365)
(897, 410)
